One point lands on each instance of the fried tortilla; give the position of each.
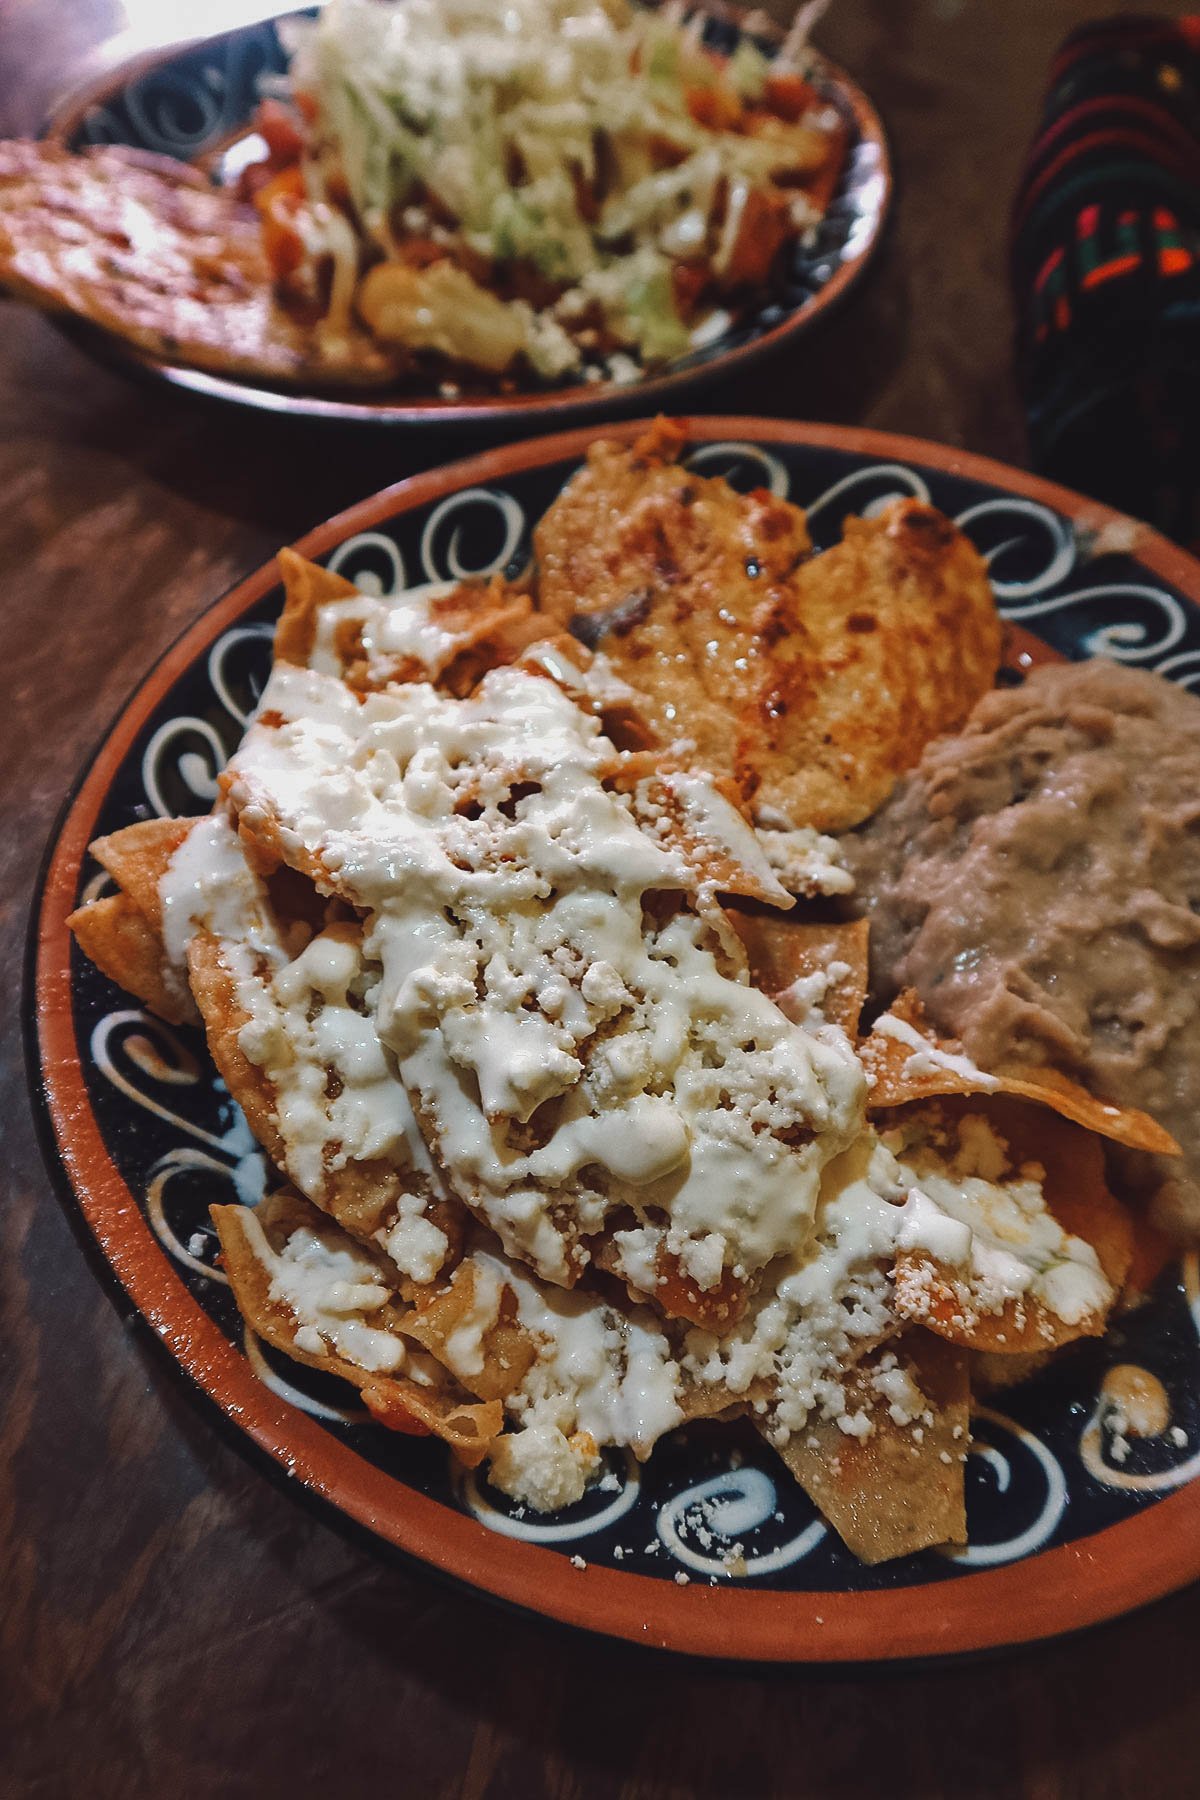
(362, 1343)
(802, 964)
(147, 249)
(814, 681)
(114, 934)
(953, 1301)
(906, 1061)
(122, 932)
(448, 633)
(898, 1487)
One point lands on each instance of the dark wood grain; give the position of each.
(171, 1623)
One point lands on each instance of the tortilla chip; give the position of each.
(148, 250)
(900, 1488)
(307, 588)
(116, 935)
(785, 951)
(265, 844)
(362, 1195)
(991, 1374)
(509, 1352)
(1152, 1251)
(215, 991)
(568, 663)
(474, 627)
(712, 1400)
(493, 626)
(938, 1296)
(137, 859)
(675, 1294)
(401, 1404)
(716, 1309)
(903, 1069)
(714, 836)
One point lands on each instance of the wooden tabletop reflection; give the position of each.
(174, 1624)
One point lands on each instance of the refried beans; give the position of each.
(1037, 880)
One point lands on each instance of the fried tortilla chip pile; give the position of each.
(579, 1137)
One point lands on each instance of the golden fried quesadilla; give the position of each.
(146, 248)
(813, 680)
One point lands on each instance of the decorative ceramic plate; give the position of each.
(1062, 1530)
(194, 99)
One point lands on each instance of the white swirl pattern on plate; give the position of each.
(1184, 668)
(184, 111)
(143, 1059)
(1059, 533)
(894, 481)
(1097, 1441)
(444, 563)
(278, 1384)
(1127, 640)
(1037, 1534)
(196, 772)
(735, 460)
(218, 657)
(731, 1506)
(132, 1039)
(535, 1530)
(348, 560)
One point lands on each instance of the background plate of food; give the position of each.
(395, 212)
(701, 928)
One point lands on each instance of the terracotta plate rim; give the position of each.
(553, 408)
(1060, 1590)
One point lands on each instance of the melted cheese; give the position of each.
(929, 1058)
(392, 629)
(208, 885)
(995, 1227)
(311, 1032)
(331, 1289)
(310, 1028)
(960, 1201)
(566, 1052)
(600, 1378)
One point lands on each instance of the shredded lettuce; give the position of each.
(748, 70)
(650, 308)
(491, 121)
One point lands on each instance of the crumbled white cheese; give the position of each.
(415, 1244)
(539, 1465)
(504, 883)
(924, 1226)
(804, 859)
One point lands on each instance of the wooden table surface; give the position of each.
(173, 1624)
